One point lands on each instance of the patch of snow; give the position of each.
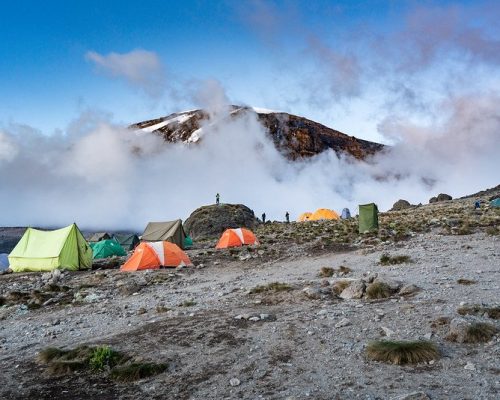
(178, 119)
(264, 111)
(195, 136)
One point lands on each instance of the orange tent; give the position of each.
(236, 237)
(153, 255)
(323, 213)
(304, 217)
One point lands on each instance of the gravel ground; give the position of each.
(199, 322)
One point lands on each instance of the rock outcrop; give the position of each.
(401, 205)
(211, 221)
(440, 197)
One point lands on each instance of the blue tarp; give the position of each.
(4, 261)
(495, 202)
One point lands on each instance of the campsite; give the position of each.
(289, 315)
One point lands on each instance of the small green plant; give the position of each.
(136, 371)
(273, 286)
(463, 281)
(162, 309)
(103, 357)
(378, 290)
(386, 259)
(402, 352)
(188, 303)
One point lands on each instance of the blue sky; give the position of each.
(346, 64)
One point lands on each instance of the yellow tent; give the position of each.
(323, 213)
(304, 217)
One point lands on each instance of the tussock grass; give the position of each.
(273, 286)
(378, 290)
(492, 231)
(479, 332)
(326, 272)
(463, 281)
(402, 352)
(188, 303)
(135, 371)
(66, 367)
(493, 312)
(386, 259)
(162, 309)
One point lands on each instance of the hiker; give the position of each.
(263, 218)
(217, 197)
(287, 217)
(477, 204)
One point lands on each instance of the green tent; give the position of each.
(495, 202)
(107, 248)
(171, 231)
(128, 242)
(368, 218)
(188, 242)
(63, 248)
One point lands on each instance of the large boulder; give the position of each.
(211, 221)
(440, 197)
(401, 205)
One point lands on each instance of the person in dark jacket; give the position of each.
(287, 217)
(263, 218)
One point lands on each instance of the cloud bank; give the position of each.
(139, 68)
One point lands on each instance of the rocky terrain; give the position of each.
(293, 318)
(294, 136)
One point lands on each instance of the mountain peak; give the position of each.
(296, 137)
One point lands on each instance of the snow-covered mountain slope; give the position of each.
(294, 136)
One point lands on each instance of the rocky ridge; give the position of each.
(295, 136)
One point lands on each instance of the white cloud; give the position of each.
(140, 68)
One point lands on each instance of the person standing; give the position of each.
(217, 197)
(287, 217)
(263, 218)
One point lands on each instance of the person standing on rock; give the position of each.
(217, 197)
(287, 217)
(263, 218)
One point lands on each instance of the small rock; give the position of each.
(322, 312)
(343, 322)
(354, 291)
(312, 293)
(413, 396)
(408, 290)
(387, 332)
(234, 382)
(470, 366)
(254, 319)
(392, 284)
(428, 336)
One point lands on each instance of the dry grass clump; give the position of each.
(328, 272)
(493, 231)
(378, 290)
(339, 286)
(273, 286)
(463, 281)
(386, 259)
(135, 371)
(492, 312)
(97, 359)
(188, 303)
(402, 352)
(477, 332)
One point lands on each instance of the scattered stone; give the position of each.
(343, 322)
(234, 382)
(470, 366)
(387, 332)
(354, 291)
(413, 396)
(254, 319)
(312, 293)
(393, 285)
(409, 290)
(369, 277)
